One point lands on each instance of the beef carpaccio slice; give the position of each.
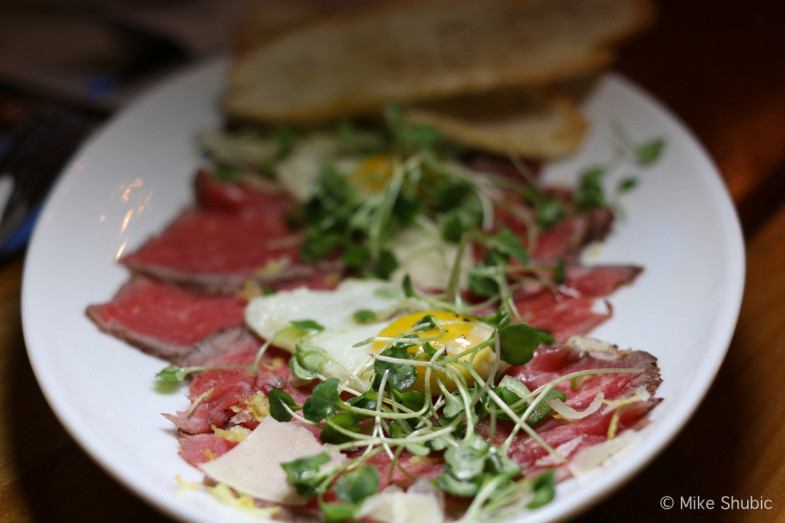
(241, 196)
(165, 320)
(218, 250)
(629, 397)
(567, 238)
(571, 308)
(236, 233)
(230, 381)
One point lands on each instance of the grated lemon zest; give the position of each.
(237, 433)
(250, 290)
(613, 425)
(260, 406)
(224, 494)
(186, 485)
(257, 406)
(272, 268)
(276, 363)
(416, 460)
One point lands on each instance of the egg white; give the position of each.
(268, 316)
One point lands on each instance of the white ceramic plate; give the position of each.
(135, 174)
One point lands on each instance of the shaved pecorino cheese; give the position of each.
(253, 467)
(590, 458)
(402, 507)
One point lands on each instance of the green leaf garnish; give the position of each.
(409, 137)
(365, 401)
(345, 420)
(284, 138)
(543, 490)
(174, 374)
(451, 485)
(408, 288)
(559, 273)
(364, 316)
(482, 285)
(453, 405)
(427, 322)
(626, 185)
(309, 326)
(498, 319)
(356, 256)
(322, 402)
(469, 465)
(543, 410)
(297, 331)
(549, 211)
(355, 486)
(590, 193)
(518, 342)
(649, 152)
(386, 264)
(506, 241)
(338, 511)
(278, 398)
(401, 376)
(467, 460)
(227, 174)
(307, 361)
(499, 463)
(305, 474)
(411, 399)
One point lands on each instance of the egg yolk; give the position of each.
(372, 173)
(458, 334)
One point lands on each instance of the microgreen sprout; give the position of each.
(175, 374)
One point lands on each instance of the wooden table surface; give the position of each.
(721, 68)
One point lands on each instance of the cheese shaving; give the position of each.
(568, 413)
(591, 457)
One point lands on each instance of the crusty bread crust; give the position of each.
(413, 51)
(527, 124)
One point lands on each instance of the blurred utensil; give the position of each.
(36, 140)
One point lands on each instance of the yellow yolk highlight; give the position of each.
(458, 334)
(372, 173)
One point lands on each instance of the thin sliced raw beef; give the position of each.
(239, 196)
(567, 238)
(236, 346)
(587, 432)
(571, 310)
(237, 232)
(218, 250)
(230, 381)
(164, 320)
(561, 314)
(200, 448)
(553, 362)
(600, 280)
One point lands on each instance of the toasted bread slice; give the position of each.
(265, 20)
(521, 123)
(410, 51)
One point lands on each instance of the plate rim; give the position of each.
(581, 500)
